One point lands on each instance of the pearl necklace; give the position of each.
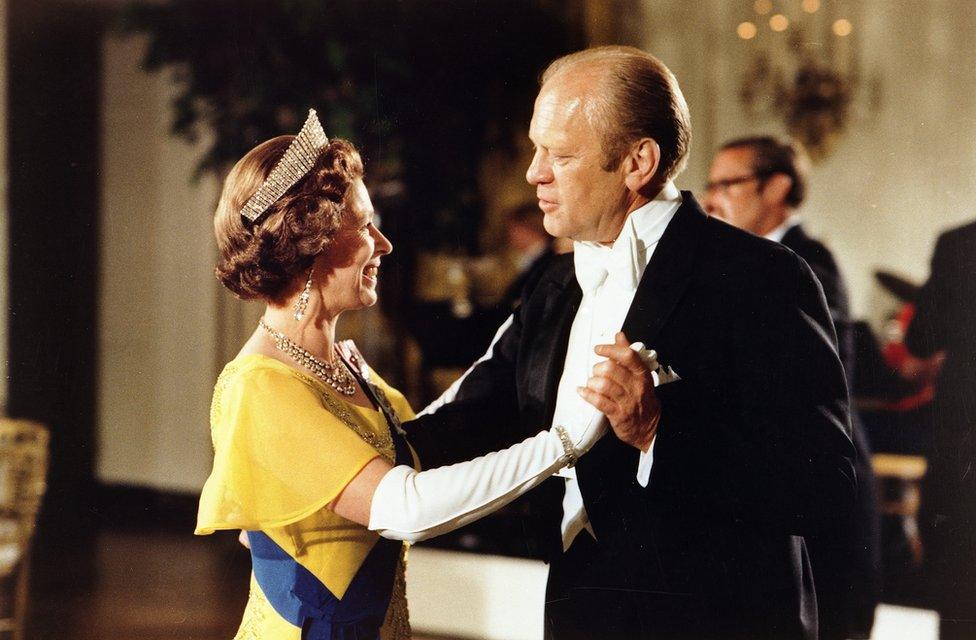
(334, 375)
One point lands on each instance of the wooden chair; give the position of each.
(900, 494)
(23, 473)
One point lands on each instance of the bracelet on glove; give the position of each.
(567, 445)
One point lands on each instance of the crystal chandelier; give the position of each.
(802, 67)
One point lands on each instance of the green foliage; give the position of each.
(423, 87)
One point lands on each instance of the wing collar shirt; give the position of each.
(608, 275)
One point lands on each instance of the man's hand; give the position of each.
(622, 387)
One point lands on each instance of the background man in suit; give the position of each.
(528, 239)
(687, 521)
(945, 318)
(757, 184)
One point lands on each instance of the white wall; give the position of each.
(158, 297)
(900, 174)
(906, 173)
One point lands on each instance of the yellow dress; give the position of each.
(285, 445)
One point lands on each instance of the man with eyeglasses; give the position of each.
(757, 184)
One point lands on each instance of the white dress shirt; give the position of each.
(776, 235)
(606, 301)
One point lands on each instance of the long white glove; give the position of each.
(411, 505)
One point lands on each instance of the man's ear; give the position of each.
(641, 164)
(777, 187)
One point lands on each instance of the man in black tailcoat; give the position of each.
(688, 520)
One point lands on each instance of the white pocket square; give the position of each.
(664, 375)
(660, 373)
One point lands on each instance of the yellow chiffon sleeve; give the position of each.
(279, 454)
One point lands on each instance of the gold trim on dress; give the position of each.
(397, 621)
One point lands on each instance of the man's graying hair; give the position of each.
(639, 98)
(773, 155)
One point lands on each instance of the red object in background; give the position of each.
(895, 352)
(899, 358)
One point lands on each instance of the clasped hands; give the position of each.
(622, 388)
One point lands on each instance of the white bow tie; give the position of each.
(596, 263)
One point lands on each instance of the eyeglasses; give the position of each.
(723, 185)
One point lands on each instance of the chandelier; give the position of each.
(802, 67)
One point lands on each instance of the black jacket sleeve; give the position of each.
(794, 456)
(483, 416)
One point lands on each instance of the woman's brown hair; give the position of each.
(260, 260)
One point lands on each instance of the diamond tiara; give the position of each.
(297, 161)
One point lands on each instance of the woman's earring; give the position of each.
(302, 303)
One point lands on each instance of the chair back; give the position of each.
(23, 480)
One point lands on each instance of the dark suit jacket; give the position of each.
(945, 319)
(822, 262)
(846, 563)
(525, 281)
(753, 449)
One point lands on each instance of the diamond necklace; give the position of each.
(334, 375)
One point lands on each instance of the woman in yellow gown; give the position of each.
(309, 459)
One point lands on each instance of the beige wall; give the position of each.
(900, 174)
(158, 334)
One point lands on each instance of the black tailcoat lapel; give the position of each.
(667, 275)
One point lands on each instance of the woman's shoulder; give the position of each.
(256, 369)
(247, 364)
(253, 380)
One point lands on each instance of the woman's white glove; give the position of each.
(411, 505)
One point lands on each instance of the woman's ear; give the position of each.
(641, 164)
